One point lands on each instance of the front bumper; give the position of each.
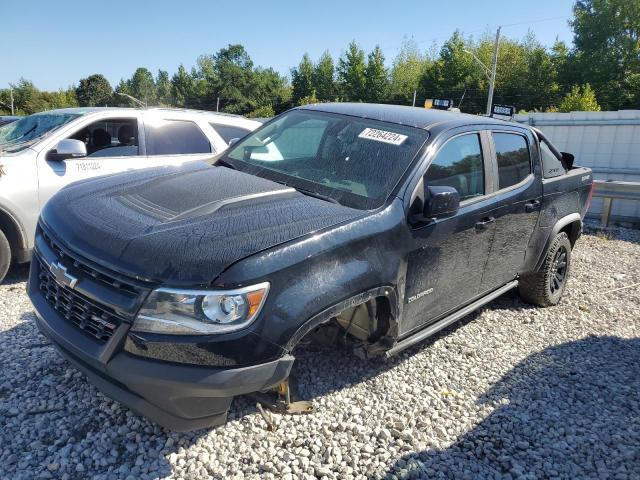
(179, 397)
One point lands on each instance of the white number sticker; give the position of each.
(382, 136)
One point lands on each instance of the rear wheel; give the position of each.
(546, 286)
(5, 256)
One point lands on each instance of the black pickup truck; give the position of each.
(175, 289)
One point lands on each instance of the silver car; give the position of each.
(42, 153)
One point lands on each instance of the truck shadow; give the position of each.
(570, 411)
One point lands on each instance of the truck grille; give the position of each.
(86, 269)
(87, 316)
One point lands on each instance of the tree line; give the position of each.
(600, 70)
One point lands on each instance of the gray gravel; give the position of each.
(510, 392)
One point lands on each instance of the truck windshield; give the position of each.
(20, 134)
(354, 161)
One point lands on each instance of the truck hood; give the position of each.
(182, 226)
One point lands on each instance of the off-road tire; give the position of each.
(5, 256)
(545, 287)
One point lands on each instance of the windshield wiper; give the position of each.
(311, 193)
(224, 163)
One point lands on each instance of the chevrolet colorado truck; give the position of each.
(176, 289)
(41, 153)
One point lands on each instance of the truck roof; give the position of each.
(411, 116)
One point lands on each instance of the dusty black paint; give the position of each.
(166, 227)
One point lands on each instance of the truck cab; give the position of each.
(44, 152)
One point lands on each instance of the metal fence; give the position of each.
(606, 142)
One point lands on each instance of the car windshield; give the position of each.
(354, 161)
(18, 135)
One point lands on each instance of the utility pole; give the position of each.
(11, 92)
(492, 81)
(217, 104)
(414, 98)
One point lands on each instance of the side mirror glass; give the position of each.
(568, 159)
(441, 202)
(68, 148)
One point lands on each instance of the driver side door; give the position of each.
(447, 255)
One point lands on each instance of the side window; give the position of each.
(514, 161)
(115, 137)
(459, 164)
(551, 165)
(174, 137)
(228, 132)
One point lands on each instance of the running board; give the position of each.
(446, 321)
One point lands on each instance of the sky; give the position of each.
(54, 44)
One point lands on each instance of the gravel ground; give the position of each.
(509, 392)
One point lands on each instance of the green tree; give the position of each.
(309, 99)
(324, 81)
(607, 49)
(163, 86)
(182, 86)
(234, 70)
(406, 72)
(376, 77)
(270, 91)
(302, 79)
(351, 73)
(142, 86)
(580, 99)
(262, 112)
(94, 91)
(454, 73)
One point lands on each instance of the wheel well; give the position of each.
(573, 231)
(365, 327)
(12, 232)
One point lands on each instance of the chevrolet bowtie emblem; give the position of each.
(60, 274)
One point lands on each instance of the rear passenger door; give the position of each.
(174, 141)
(517, 204)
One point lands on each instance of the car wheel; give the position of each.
(545, 287)
(5, 256)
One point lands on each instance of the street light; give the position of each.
(485, 69)
(142, 104)
(490, 73)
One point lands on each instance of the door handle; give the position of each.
(484, 223)
(531, 206)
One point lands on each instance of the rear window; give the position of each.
(175, 137)
(229, 132)
(514, 161)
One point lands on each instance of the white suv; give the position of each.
(42, 153)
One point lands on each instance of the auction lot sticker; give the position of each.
(382, 136)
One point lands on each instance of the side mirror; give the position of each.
(68, 148)
(568, 159)
(441, 202)
(233, 141)
(433, 202)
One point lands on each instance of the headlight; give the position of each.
(200, 312)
